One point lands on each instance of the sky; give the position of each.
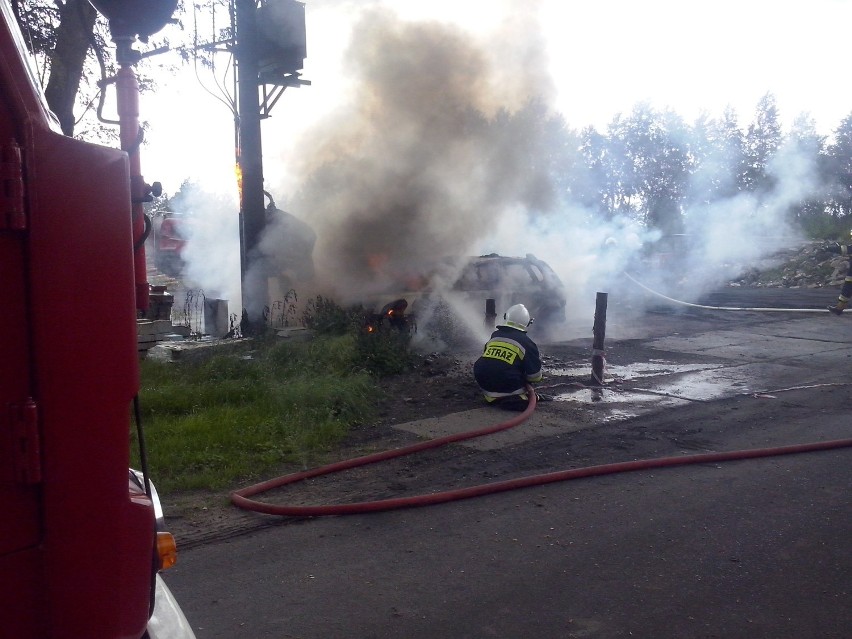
(600, 59)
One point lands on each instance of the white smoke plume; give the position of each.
(212, 252)
(441, 150)
(730, 235)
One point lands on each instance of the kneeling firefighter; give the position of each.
(510, 360)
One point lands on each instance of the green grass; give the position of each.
(239, 417)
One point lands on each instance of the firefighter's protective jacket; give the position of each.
(509, 361)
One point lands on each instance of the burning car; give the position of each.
(461, 297)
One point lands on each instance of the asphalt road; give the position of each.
(754, 548)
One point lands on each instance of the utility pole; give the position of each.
(249, 157)
(270, 51)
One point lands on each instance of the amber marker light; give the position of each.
(166, 549)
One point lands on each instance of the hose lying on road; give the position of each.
(724, 308)
(240, 498)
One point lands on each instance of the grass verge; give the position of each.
(238, 417)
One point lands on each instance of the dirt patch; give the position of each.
(810, 265)
(438, 384)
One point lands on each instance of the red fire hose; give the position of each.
(240, 498)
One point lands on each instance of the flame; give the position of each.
(238, 172)
(377, 261)
(416, 282)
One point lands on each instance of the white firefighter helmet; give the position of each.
(517, 316)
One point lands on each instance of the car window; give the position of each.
(519, 275)
(503, 274)
(488, 275)
(536, 272)
(467, 280)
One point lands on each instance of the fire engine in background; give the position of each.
(81, 543)
(169, 239)
(287, 251)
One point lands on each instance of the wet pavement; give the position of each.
(740, 358)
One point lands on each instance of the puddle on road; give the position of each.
(671, 385)
(635, 371)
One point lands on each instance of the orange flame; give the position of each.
(238, 172)
(376, 261)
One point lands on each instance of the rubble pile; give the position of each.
(810, 265)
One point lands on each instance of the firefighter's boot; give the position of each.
(838, 308)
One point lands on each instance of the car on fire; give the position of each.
(462, 294)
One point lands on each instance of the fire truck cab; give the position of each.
(80, 547)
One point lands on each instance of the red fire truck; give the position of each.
(81, 539)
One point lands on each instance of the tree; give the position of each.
(804, 150)
(564, 165)
(731, 144)
(69, 40)
(60, 37)
(718, 158)
(837, 170)
(74, 36)
(656, 148)
(761, 143)
(610, 169)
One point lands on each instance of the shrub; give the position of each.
(384, 352)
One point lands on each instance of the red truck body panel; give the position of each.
(76, 547)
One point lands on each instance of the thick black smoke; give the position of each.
(437, 144)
